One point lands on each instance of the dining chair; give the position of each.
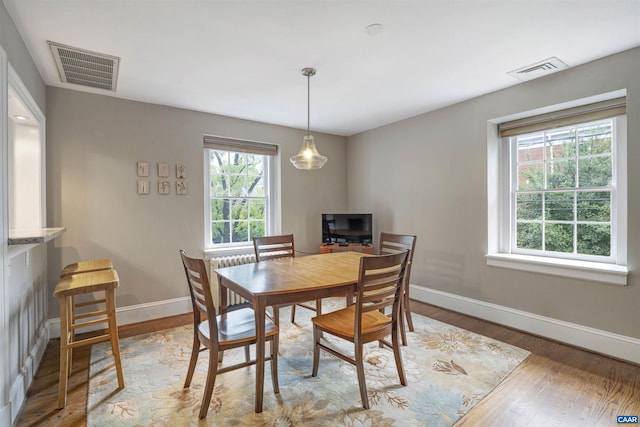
(390, 243)
(218, 333)
(379, 286)
(273, 247)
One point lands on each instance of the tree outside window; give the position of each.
(563, 195)
(238, 196)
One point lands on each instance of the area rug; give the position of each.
(449, 370)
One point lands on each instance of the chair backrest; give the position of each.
(273, 247)
(200, 291)
(380, 284)
(394, 243)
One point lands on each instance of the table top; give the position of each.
(297, 274)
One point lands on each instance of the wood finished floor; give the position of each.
(558, 385)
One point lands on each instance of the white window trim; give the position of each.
(585, 270)
(274, 224)
(498, 242)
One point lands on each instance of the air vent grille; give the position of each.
(85, 68)
(539, 69)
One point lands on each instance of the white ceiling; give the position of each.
(243, 58)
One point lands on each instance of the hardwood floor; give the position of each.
(558, 385)
(40, 409)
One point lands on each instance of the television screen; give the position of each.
(347, 228)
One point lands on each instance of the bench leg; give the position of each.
(113, 330)
(64, 350)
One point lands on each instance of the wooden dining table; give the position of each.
(284, 281)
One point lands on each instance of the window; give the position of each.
(240, 193)
(563, 189)
(562, 192)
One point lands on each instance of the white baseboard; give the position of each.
(615, 345)
(5, 415)
(19, 387)
(17, 394)
(137, 313)
(618, 346)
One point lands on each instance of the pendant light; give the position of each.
(308, 156)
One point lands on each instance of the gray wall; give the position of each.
(93, 144)
(20, 59)
(428, 176)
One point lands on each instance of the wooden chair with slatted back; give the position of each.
(273, 247)
(218, 333)
(394, 243)
(379, 286)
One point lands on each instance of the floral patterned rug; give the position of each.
(449, 370)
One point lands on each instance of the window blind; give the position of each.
(570, 116)
(242, 145)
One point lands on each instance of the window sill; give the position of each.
(593, 271)
(33, 236)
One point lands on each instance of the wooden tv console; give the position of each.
(367, 249)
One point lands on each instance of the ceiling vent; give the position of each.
(85, 68)
(539, 69)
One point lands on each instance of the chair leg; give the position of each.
(247, 353)
(401, 325)
(361, 381)
(407, 311)
(398, 356)
(211, 380)
(274, 364)
(195, 351)
(316, 350)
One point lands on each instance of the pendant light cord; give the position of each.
(308, 72)
(308, 103)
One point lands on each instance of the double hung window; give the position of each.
(240, 198)
(563, 191)
(563, 187)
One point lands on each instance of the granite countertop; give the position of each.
(27, 237)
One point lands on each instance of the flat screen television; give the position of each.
(356, 228)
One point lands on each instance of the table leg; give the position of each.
(222, 296)
(260, 312)
(349, 299)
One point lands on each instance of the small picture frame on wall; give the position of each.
(181, 171)
(181, 187)
(143, 186)
(163, 170)
(143, 168)
(164, 186)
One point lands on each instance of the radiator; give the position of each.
(227, 261)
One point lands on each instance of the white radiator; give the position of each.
(227, 261)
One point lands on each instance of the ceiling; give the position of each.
(244, 58)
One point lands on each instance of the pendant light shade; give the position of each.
(308, 156)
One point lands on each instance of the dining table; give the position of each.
(286, 281)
